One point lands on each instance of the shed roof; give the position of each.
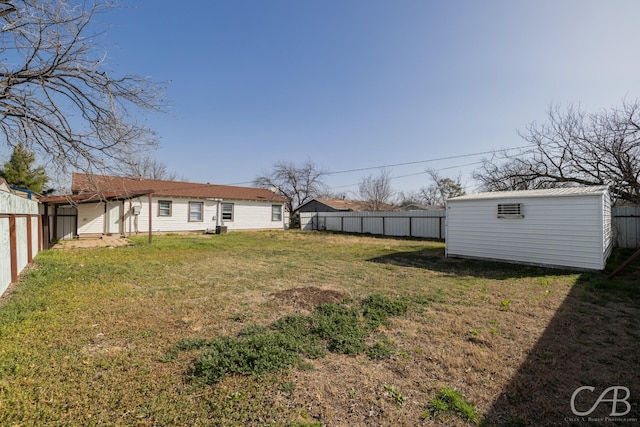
(595, 190)
(87, 187)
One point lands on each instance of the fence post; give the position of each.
(40, 233)
(29, 240)
(13, 248)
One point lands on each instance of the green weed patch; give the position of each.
(337, 328)
(449, 400)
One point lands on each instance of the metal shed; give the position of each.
(563, 227)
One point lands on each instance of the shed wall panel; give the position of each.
(554, 231)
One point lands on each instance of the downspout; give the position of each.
(130, 215)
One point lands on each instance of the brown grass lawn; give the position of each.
(84, 337)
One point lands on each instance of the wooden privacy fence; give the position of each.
(20, 236)
(426, 224)
(626, 226)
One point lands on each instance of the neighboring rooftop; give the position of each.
(345, 204)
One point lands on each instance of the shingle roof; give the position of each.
(95, 186)
(343, 204)
(346, 204)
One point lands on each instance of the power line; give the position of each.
(423, 161)
(459, 156)
(412, 174)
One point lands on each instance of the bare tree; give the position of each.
(297, 184)
(56, 94)
(149, 168)
(440, 189)
(436, 193)
(574, 148)
(376, 191)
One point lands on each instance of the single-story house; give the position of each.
(563, 227)
(101, 204)
(325, 204)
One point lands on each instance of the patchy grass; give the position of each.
(307, 329)
(450, 401)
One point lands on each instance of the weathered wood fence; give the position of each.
(426, 224)
(431, 224)
(20, 236)
(626, 226)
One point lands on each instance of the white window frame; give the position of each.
(200, 217)
(228, 215)
(276, 213)
(160, 208)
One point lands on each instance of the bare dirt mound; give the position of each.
(310, 297)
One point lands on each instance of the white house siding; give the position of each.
(247, 215)
(568, 231)
(91, 218)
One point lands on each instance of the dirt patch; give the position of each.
(97, 242)
(310, 297)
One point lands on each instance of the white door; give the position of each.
(113, 218)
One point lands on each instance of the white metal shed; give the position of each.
(563, 227)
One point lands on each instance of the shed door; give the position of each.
(113, 218)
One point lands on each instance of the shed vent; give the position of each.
(510, 210)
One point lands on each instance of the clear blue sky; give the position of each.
(353, 84)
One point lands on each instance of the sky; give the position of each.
(353, 85)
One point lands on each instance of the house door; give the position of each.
(113, 218)
(66, 223)
(66, 227)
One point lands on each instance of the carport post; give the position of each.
(150, 216)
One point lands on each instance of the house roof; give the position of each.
(551, 192)
(344, 204)
(96, 187)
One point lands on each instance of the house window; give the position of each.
(164, 208)
(510, 210)
(276, 212)
(227, 211)
(195, 211)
